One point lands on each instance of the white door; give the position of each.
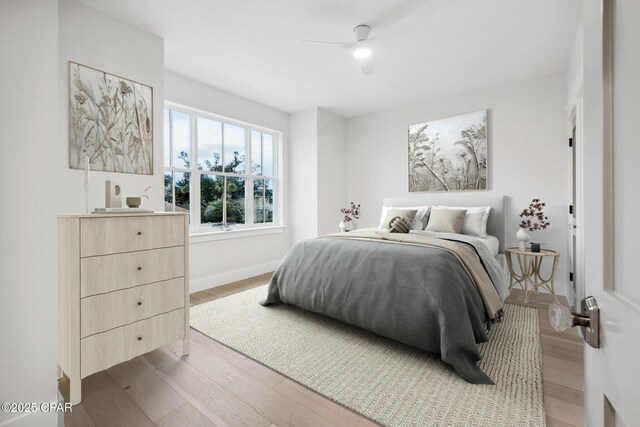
(612, 208)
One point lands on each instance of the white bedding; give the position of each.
(491, 242)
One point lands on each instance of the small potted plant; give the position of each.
(350, 213)
(533, 219)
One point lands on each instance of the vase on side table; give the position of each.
(523, 237)
(343, 226)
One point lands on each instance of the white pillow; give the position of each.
(446, 220)
(419, 221)
(475, 221)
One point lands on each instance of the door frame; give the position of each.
(576, 292)
(608, 14)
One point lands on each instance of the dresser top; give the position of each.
(119, 215)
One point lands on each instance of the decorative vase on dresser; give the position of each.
(123, 289)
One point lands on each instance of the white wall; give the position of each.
(332, 170)
(28, 145)
(91, 38)
(528, 152)
(575, 69)
(304, 175)
(214, 263)
(318, 170)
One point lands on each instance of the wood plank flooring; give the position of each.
(562, 365)
(217, 386)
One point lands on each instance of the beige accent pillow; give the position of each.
(406, 214)
(419, 221)
(446, 220)
(475, 221)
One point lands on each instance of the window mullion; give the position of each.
(264, 182)
(276, 173)
(224, 201)
(224, 177)
(173, 177)
(262, 170)
(248, 181)
(195, 175)
(171, 138)
(222, 157)
(173, 191)
(264, 201)
(262, 153)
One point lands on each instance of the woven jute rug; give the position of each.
(388, 382)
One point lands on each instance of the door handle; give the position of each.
(562, 318)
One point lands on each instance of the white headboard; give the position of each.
(497, 224)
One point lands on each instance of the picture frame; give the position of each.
(449, 154)
(110, 121)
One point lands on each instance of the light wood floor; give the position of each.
(562, 365)
(215, 385)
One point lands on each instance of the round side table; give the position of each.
(529, 264)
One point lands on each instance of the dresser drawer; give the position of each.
(102, 312)
(100, 236)
(106, 273)
(118, 345)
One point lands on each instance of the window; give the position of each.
(222, 172)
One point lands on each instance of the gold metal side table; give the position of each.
(529, 277)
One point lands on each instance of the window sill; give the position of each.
(209, 236)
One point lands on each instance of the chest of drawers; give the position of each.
(123, 289)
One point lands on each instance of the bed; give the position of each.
(438, 292)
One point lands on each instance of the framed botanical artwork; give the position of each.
(449, 154)
(110, 121)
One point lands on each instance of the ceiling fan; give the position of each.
(362, 47)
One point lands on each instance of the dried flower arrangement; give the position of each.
(351, 213)
(535, 219)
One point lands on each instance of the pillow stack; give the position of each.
(444, 219)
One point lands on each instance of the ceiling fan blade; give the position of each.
(343, 45)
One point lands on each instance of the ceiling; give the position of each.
(433, 48)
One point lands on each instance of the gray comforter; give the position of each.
(419, 295)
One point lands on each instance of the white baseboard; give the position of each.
(203, 283)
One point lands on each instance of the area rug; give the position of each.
(388, 382)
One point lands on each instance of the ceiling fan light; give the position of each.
(362, 51)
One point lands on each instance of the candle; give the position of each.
(86, 173)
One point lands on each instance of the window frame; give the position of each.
(196, 228)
